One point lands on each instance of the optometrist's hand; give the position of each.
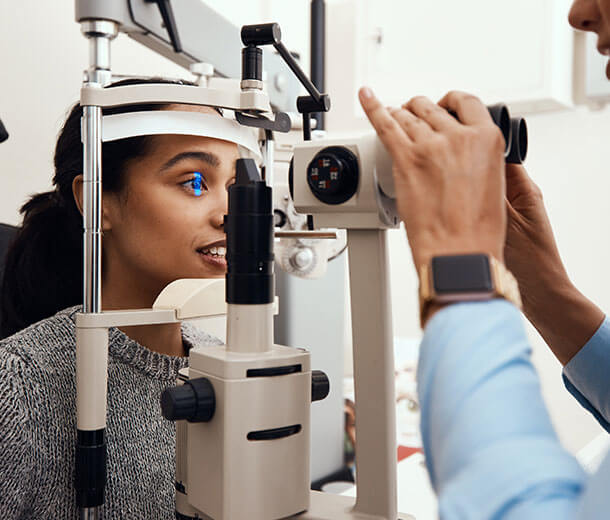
(532, 255)
(448, 174)
(530, 252)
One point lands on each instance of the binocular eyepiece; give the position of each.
(514, 130)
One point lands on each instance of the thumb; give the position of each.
(518, 182)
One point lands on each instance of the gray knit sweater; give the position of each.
(38, 424)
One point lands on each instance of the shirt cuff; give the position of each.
(586, 375)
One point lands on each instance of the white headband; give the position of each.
(158, 122)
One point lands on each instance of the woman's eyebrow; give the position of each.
(208, 157)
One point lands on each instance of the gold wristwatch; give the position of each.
(461, 278)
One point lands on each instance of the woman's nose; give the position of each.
(585, 15)
(218, 220)
(217, 215)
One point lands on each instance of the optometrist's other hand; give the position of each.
(530, 252)
(448, 174)
(562, 314)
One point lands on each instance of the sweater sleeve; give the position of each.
(17, 464)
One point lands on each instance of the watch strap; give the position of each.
(504, 285)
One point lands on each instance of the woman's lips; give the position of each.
(215, 260)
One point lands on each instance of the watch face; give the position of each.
(461, 274)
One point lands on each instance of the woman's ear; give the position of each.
(77, 191)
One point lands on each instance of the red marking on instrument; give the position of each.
(404, 452)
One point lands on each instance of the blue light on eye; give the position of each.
(197, 184)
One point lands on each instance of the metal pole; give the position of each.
(92, 209)
(89, 513)
(269, 158)
(90, 462)
(100, 33)
(318, 52)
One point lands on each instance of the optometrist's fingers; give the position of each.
(438, 118)
(388, 129)
(469, 108)
(416, 128)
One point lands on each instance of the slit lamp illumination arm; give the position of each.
(254, 36)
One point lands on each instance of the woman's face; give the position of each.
(593, 16)
(167, 222)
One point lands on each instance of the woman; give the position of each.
(164, 198)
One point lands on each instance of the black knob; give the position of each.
(261, 34)
(193, 401)
(320, 385)
(308, 104)
(279, 218)
(333, 174)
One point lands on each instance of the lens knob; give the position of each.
(302, 259)
(333, 175)
(320, 385)
(193, 401)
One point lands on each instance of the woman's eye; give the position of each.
(196, 185)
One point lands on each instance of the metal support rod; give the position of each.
(92, 209)
(305, 81)
(306, 127)
(373, 374)
(90, 458)
(89, 513)
(269, 158)
(318, 52)
(100, 34)
(99, 54)
(308, 235)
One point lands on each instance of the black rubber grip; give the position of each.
(90, 468)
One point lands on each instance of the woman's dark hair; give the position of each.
(43, 271)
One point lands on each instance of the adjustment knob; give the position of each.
(333, 175)
(302, 259)
(320, 385)
(193, 401)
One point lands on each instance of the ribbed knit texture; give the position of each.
(38, 424)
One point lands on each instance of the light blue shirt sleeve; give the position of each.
(490, 448)
(587, 375)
